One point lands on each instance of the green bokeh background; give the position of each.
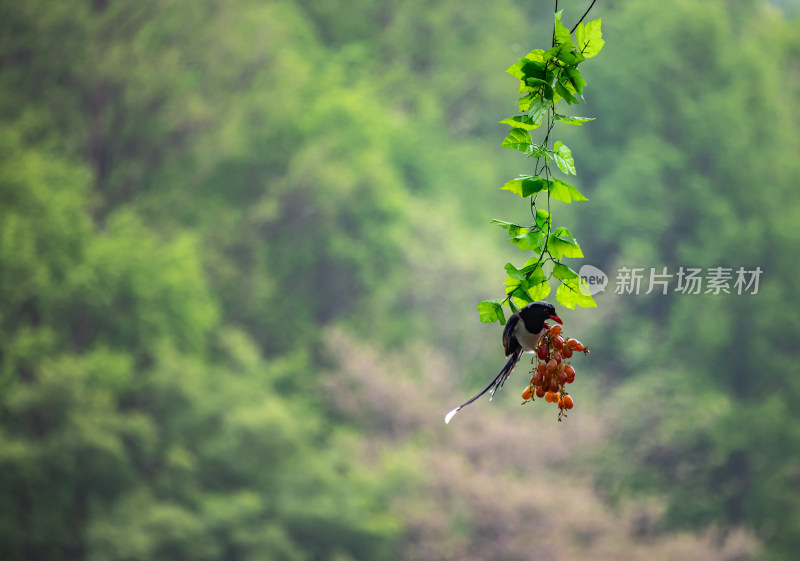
(241, 244)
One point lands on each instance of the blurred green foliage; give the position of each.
(196, 197)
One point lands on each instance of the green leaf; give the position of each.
(522, 122)
(563, 91)
(542, 219)
(536, 85)
(538, 151)
(563, 272)
(491, 311)
(512, 305)
(550, 53)
(562, 232)
(526, 185)
(570, 120)
(564, 192)
(525, 284)
(537, 109)
(536, 55)
(517, 287)
(531, 286)
(503, 224)
(521, 294)
(516, 71)
(590, 38)
(560, 192)
(569, 294)
(563, 157)
(539, 291)
(568, 55)
(562, 35)
(561, 244)
(531, 85)
(525, 103)
(535, 82)
(531, 69)
(534, 270)
(574, 194)
(514, 273)
(575, 78)
(528, 240)
(520, 236)
(530, 289)
(518, 139)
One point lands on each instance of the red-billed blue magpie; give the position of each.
(522, 334)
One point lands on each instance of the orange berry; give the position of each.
(555, 330)
(541, 367)
(570, 370)
(567, 402)
(575, 345)
(527, 393)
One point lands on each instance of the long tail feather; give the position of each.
(495, 384)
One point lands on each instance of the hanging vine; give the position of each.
(547, 77)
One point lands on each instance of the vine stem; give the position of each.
(554, 27)
(586, 13)
(546, 169)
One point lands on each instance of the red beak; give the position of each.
(554, 317)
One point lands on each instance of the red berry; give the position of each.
(558, 342)
(552, 365)
(543, 351)
(540, 391)
(566, 352)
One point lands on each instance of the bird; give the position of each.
(522, 334)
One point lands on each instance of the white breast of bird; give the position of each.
(528, 341)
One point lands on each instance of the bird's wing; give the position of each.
(510, 343)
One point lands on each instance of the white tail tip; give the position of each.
(451, 414)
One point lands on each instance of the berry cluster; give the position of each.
(553, 372)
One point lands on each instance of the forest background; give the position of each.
(241, 245)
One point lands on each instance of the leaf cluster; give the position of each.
(546, 78)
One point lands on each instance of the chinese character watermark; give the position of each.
(717, 280)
